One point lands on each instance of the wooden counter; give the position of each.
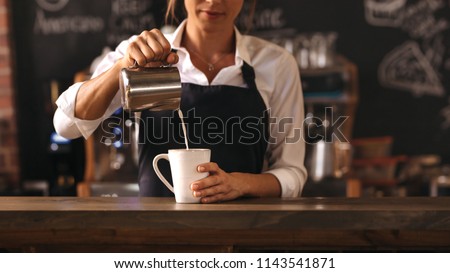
(48, 224)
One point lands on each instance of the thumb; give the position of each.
(172, 58)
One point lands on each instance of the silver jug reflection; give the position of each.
(155, 89)
(328, 160)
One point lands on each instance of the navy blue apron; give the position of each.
(229, 120)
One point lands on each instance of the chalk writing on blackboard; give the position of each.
(415, 65)
(58, 25)
(263, 19)
(412, 66)
(384, 13)
(52, 5)
(419, 20)
(434, 50)
(269, 18)
(129, 17)
(49, 21)
(407, 68)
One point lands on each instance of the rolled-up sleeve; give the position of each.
(65, 122)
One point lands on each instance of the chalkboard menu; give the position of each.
(401, 48)
(54, 39)
(67, 34)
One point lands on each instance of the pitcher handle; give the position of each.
(158, 173)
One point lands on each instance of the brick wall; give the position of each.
(9, 163)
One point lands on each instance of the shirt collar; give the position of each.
(242, 53)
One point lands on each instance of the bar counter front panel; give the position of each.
(70, 224)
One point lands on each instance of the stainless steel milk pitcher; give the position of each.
(155, 89)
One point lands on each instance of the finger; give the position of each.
(212, 191)
(205, 183)
(136, 55)
(208, 167)
(207, 191)
(172, 58)
(163, 42)
(157, 42)
(129, 61)
(156, 47)
(151, 48)
(145, 48)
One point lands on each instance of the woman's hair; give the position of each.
(171, 16)
(174, 7)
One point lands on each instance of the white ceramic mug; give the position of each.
(183, 166)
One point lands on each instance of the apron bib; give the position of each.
(229, 120)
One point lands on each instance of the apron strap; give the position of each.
(248, 73)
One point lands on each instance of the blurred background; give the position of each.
(379, 68)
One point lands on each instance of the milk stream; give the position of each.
(180, 114)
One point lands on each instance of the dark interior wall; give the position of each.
(401, 49)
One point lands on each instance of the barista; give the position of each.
(241, 96)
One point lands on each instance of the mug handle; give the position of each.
(158, 173)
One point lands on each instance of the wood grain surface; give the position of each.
(65, 224)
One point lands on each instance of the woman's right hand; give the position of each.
(149, 49)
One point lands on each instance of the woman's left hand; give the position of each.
(218, 186)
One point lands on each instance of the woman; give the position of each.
(248, 87)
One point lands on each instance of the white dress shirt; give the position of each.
(277, 80)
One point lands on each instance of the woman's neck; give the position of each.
(209, 43)
(210, 50)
